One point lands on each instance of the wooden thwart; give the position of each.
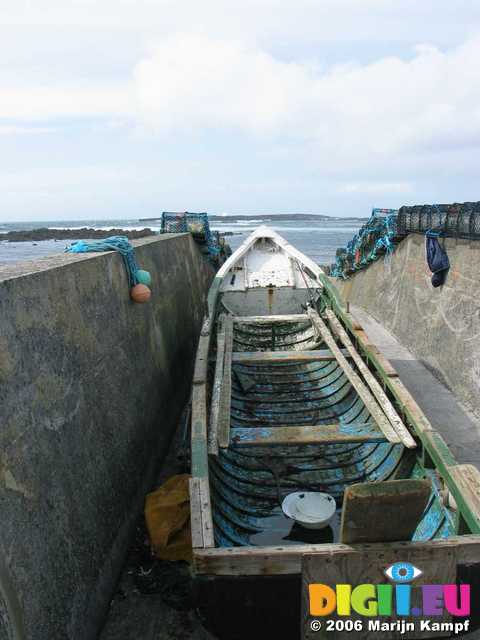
(267, 357)
(316, 434)
(299, 317)
(359, 386)
(378, 392)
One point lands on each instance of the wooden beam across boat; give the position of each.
(267, 357)
(294, 317)
(372, 382)
(309, 434)
(355, 380)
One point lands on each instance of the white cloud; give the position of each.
(192, 81)
(316, 104)
(346, 115)
(349, 112)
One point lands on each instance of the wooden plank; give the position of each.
(203, 533)
(437, 564)
(286, 560)
(206, 511)
(386, 365)
(201, 514)
(196, 514)
(298, 317)
(267, 357)
(466, 478)
(217, 391)
(201, 360)
(369, 401)
(311, 434)
(372, 382)
(383, 511)
(226, 391)
(408, 405)
(199, 463)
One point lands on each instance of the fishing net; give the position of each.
(113, 243)
(375, 238)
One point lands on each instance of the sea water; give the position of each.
(318, 240)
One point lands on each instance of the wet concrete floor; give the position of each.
(152, 598)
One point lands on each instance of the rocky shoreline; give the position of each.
(38, 235)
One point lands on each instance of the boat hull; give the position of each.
(293, 397)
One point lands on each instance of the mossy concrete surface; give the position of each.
(91, 386)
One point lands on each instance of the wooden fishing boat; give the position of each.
(289, 395)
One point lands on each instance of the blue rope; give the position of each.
(113, 243)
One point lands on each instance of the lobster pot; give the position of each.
(403, 221)
(174, 223)
(454, 220)
(197, 224)
(438, 217)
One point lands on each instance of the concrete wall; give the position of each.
(440, 326)
(91, 386)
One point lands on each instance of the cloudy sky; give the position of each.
(125, 108)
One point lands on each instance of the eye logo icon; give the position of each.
(402, 572)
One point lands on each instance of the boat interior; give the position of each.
(294, 409)
(249, 479)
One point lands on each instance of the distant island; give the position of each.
(272, 217)
(45, 233)
(39, 235)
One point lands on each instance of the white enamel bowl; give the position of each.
(311, 509)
